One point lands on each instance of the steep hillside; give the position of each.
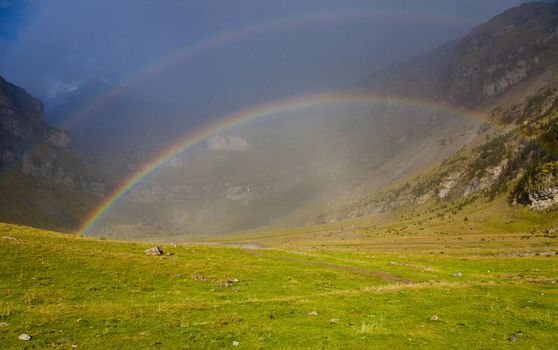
(519, 162)
(42, 181)
(516, 50)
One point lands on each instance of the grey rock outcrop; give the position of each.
(36, 149)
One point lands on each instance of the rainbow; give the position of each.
(226, 38)
(200, 134)
(230, 37)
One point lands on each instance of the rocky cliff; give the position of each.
(42, 182)
(519, 45)
(29, 145)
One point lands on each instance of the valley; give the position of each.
(218, 190)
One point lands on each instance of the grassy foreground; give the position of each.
(69, 292)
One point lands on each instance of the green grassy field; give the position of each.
(373, 282)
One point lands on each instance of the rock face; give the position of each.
(545, 198)
(506, 50)
(21, 124)
(540, 188)
(519, 44)
(36, 149)
(228, 143)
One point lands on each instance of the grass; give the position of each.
(373, 286)
(44, 205)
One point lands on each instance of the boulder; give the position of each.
(154, 251)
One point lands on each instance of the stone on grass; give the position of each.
(9, 238)
(434, 318)
(457, 274)
(313, 313)
(235, 343)
(154, 251)
(334, 320)
(24, 337)
(512, 338)
(4, 324)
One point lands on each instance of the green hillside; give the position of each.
(27, 200)
(374, 283)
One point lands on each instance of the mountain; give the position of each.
(64, 105)
(514, 51)
(507, 69)
(350, 155)
(42, 181)
(327, 163)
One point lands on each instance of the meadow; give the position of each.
(374, 282)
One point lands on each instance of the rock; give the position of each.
(513, 338)
(58, 138)
(448, 185)
(228, 143)
(9, 238)
(4, 324)
(434, 318)
(154, 251)
(199, 278)
(30, 145)
(457, 274)
(64, 341)
(334, 320)
(313, 313)
(235, 343)
(238, 193)
(24, 337)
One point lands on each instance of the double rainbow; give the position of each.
(200, 134)
(227, 38)
(232, 37)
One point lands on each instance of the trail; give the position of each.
(386, 276)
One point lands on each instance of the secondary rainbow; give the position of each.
(223, 39)
(268, 110)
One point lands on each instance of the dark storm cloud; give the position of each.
(67, 42)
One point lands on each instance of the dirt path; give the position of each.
(386, 276)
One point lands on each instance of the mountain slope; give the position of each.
(42, 182)
(519, 163)
(515, 49)
(319, 164)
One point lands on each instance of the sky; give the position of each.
(217, 52)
